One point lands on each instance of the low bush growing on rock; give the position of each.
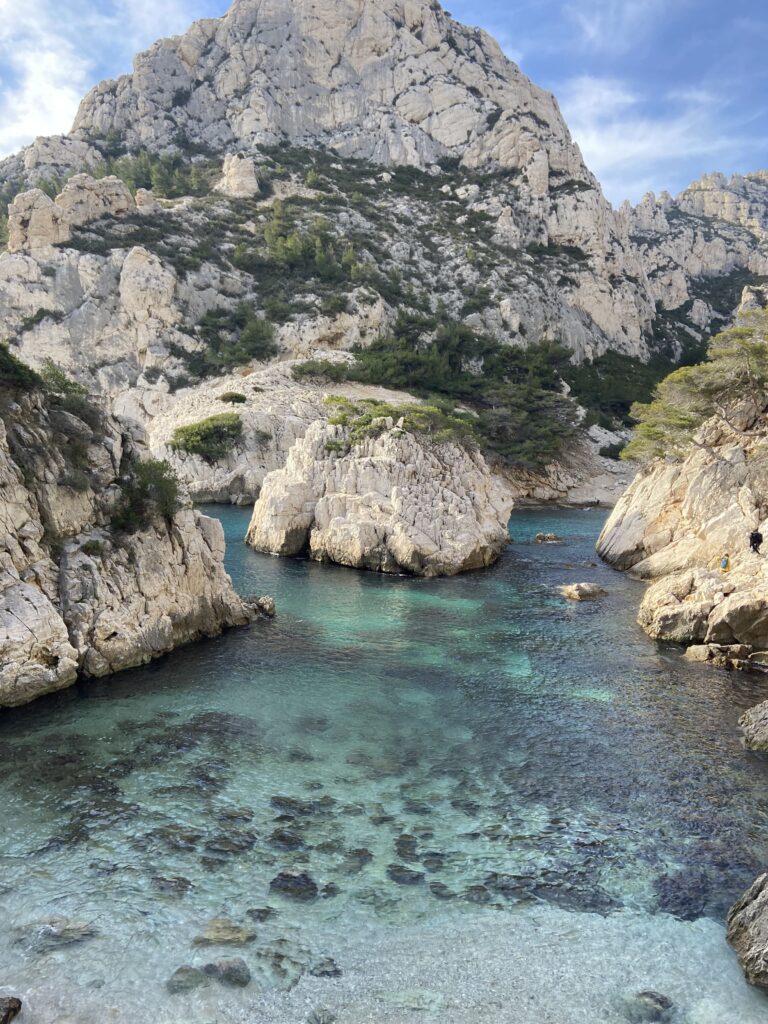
(516, 392)
(321, 370)
(15, 374)
(150, 488)
(233, 398)
(368, 418)
(211, 438)
(232, 338)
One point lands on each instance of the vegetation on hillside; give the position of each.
(150, 489)
(367, 418)
(734, 373)
(515, 393)
(212, 438)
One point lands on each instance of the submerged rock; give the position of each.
(326, 968)
(297, 887)
(649, 1008)
(582, 591)
(234, 973)
(403, 875)
(321, 1015)
(185, 979)
(223, 932)
(390, 503)
(748, 932)
(173, 886)
(10, 1008)
(261, 914)
(55, 932)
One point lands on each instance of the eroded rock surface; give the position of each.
(677, 520)
(36, 222)
(75, 596)
(748, 932)
(393, 503)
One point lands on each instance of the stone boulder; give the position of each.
(10, 1008)
(36, 222)
(76, 596)
(392, 503)
(582, 591)
(239, 179)
(754, 725)
(748, 932)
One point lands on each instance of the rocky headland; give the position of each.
(80, 596)
(392, 502)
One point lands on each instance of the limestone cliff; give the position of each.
(392, 503)
(677, 520)
(78, 597)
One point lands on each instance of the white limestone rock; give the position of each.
(393, 503)
(675, 523)
(36, 222)
(76, 598)
(239, 179)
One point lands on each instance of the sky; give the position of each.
(656, 92)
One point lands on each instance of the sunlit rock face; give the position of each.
(392, 503)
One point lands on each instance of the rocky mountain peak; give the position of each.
(397, 82)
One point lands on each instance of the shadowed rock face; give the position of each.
(393, 503)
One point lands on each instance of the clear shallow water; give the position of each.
(522, 762)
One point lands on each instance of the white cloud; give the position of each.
(52, 52)
(632, 151)
(613, 25)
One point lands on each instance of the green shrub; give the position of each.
(15, 374)
(92, 548)
(320, 369)
(515, 392)
(212, 438)
(232, 338)
(150, 489)
(57, 382)
(734, 373)
(334, 304)
(233, 397)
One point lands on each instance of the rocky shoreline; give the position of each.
(672, 527)
(78, 597)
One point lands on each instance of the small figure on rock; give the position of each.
(725, 563)
(755, 540)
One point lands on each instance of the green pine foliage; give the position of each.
(232, 338)
(15, 375)
(150, 489)
(516, 393)
(734, 375)
(212, 438)
(169, 176)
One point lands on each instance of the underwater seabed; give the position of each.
(461, 800)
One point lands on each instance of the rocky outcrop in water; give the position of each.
(391, 503)
(677, 520)
(748, 932)
(754, 725)
(78, 597)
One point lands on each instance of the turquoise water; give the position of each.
(474, 750)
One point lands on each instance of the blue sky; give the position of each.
(656, 92)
